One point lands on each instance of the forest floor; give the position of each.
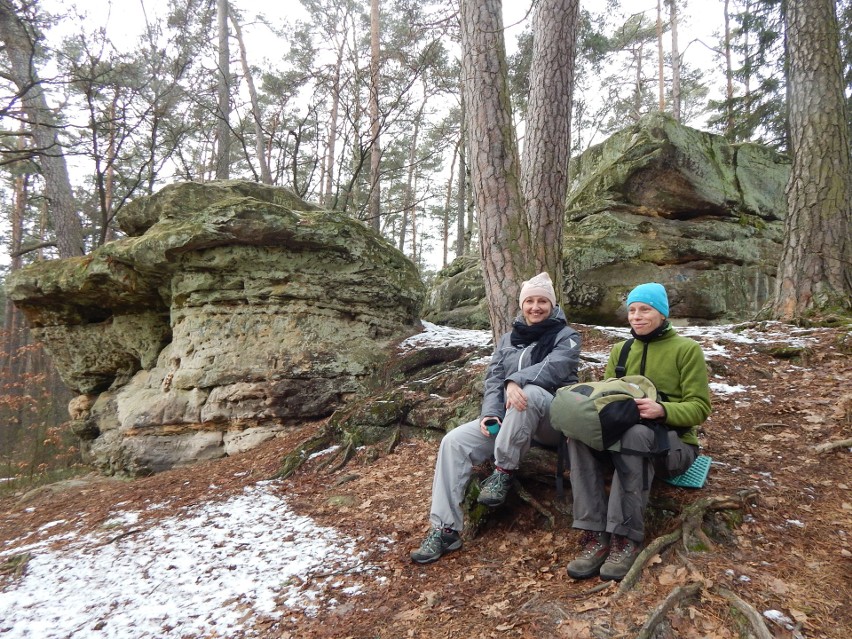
(776, 560)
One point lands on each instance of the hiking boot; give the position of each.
(595, 550)
(621, 557)
(494, 489)
(437, 543)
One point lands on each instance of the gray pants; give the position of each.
(623, 513)
(465, 447)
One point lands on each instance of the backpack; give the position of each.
(598, 413)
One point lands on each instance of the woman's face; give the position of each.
(644, 319)
(536, 309)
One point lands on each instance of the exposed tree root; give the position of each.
(675, 598)
(690, 532)
(524, 494)
(753, 616)
(828, 446)
(295, 458)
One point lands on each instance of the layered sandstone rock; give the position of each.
(231, 310)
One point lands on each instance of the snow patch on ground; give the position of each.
(201, 574)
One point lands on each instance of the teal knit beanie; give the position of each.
(652, 294)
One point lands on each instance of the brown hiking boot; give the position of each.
(595, 550)
(621, 557)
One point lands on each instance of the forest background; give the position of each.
(354, 105)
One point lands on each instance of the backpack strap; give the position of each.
(621, 366)
(661, 449)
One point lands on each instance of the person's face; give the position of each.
(644, 319)
(536, 309)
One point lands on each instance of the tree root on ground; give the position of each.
(829, 446)
(693, 590)
(295, 458)
(676, 596)
(524, 494)
(689, 531)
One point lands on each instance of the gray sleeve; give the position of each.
(494, 396)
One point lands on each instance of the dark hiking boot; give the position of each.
(437, 543)
(621, 557)
(595, 550)
(494, 490)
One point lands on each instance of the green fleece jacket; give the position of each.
(676, 366)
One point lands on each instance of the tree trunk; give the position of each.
(332, 128)
(259, 143)
(375, 125)
(676, 110)
(547, 147)
(223, 129)
(661, 80)
(815, 271)
(19, 42)
(461, 181)
(448, 199)
(729, 77)
(408, 200)
(504, 235)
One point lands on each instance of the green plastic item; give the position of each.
(695, 476)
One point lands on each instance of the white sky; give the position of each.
(222, 564)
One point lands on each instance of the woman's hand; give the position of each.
(515, 397)
(649, 409)
(483, 428)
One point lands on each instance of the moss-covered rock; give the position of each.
(232, 309)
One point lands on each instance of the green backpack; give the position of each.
(598, 413)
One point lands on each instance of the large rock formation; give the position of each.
(231, 310)
(661, 202)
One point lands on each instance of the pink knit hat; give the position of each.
(538, 285)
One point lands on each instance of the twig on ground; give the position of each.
(593, 590)
(676, 596)
(126, 533)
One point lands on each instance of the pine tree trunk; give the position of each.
(729, 78)
(375, 128)
(19, 42)
(676, 110)
(504, 235)
(461, 180)
(223, 130)
(547, 147)
(259, 137)
(815, 271)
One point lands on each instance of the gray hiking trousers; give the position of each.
(623, 513)
(465, 447)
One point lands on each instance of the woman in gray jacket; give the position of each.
(539, 355)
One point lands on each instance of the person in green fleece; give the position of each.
(613, 526)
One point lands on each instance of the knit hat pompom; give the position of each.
(538, 285)
(653, 295)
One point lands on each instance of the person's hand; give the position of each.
(649, 409)
(515, 397)
(483, 428)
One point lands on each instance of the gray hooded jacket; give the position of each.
(511, 364)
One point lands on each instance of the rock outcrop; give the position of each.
(661, 202)
(231, 310)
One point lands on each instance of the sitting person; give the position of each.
(539, 355)
(614, 526)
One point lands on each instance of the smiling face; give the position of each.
(536, 309)
(644, 319)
